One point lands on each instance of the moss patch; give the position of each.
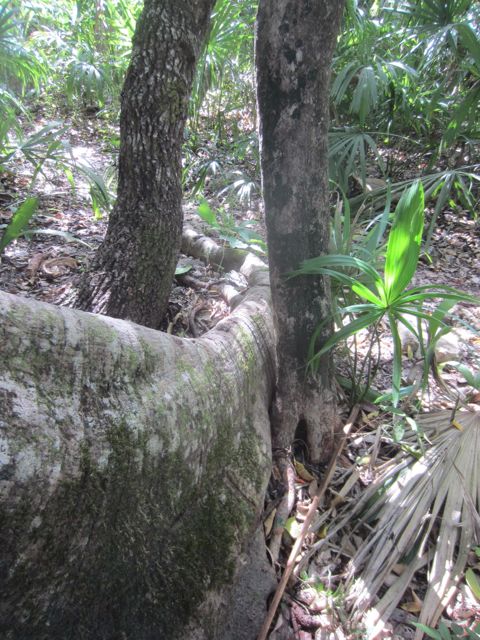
(122, 553)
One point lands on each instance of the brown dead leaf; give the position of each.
(56, 267)
(302, 471)
(34, 264)
(414, 606)
(268, 523)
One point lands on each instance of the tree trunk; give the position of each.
(294, 48)
(133, 466)
(134, 268)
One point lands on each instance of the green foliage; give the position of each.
(225, 67)
(20, 68)
(85, 44)
(102, 188)
(444, 633)
(473, 582)
(410, 66)
(348, 152)
(36, 148)
(472, 378)
(19, 221)
(388, 295)
(365, 76)
(237, 236)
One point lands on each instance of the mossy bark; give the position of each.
(132, 470)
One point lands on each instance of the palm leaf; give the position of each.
(403, 248)
(19, 221)
(442, 486)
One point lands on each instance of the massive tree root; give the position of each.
(133, 466)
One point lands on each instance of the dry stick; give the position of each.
(306, 525)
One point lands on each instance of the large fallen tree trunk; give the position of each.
(132, 471)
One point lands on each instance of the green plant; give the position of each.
(472, 580)
(86, 46)
(238, 236)
(453, 633)
(19, 225)
(465, 112)
(472, 377)
(19, 221)
(348, 154)
(452, 187)
(366, 74)
(226, 60)
(102, 187)
(19, 67)
(36, 148)
(386, 296)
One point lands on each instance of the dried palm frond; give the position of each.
(421, 511)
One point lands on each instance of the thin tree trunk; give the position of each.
(294, 48)
(133, 271)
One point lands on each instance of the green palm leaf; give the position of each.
(403, 248)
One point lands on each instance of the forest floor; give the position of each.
(48, 263)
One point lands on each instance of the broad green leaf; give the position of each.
(473, 583)
(444, 631)
(182, 269)
(206, 214)
(403, 248)
(293, 527)
(19, 221)
(316, 265)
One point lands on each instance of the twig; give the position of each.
(306, 525)
(285, 506)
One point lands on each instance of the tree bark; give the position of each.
(294, 48)
(133, 271)
(133, 466)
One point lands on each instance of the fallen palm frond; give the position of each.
(421, 510)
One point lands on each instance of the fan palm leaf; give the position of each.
(429, 513)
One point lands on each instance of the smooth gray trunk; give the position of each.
(294, 48)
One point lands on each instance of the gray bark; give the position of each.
(133, 271)
(294, 48)
(133, 466)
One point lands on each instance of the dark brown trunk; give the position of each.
(295, 44)
(134, 268)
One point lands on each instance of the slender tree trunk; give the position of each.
(294, 48)
(133, 271)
